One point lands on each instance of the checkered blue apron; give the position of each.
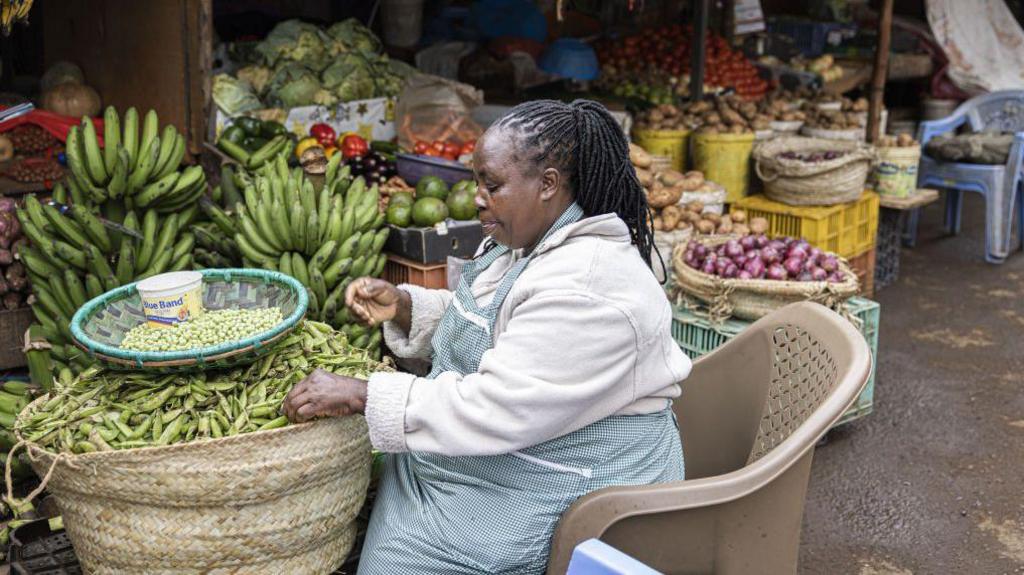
(476, 515)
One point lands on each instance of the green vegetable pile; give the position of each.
(103, 410)
(209, 329)
(301, 64)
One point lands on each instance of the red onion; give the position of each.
(770, 255)
(830, 263)
(814, 254)
(721, 264)
(760, 241)
(837, 277)
(12, 301)
(776, 272)
(6, 258)
(819, 275)
(778, 245)
(733, 248)
(796, 251)
(748, 242)
(708, 267)
(8, 205)
(805, 276)
(793, 266)
(740, 260)
(744, 275)
(700, 250)
(755, 267)
(730, 271)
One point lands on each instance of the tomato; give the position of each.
(438, 146)
(450, 149)
(421, 147)
(468, 148)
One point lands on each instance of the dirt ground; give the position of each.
(933, 480)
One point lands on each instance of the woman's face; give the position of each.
(517, 201)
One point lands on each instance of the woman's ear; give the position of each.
(550, 183)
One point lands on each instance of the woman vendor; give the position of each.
(553, 366)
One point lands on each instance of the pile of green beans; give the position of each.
(102, 410)
(210, 328)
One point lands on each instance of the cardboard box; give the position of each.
(372, 119)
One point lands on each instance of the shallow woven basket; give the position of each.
(825, 183)
(278, 501)
(754, 299)
(100, 325)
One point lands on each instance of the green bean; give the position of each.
(102, 410)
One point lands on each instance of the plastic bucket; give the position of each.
(896, 171)
(173, 298)
(402, 22)
(725, 160)
(671, 144)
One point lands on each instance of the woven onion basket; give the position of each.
(754, 299)
(824, 183)
(277, 501)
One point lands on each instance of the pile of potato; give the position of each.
(663, 117)
(900, 141)
(780, 110)
(728, 115)
(693, 216)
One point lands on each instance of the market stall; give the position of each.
(278, 165)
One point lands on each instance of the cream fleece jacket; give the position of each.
(583, 334)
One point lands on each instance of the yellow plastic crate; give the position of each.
(845, 229)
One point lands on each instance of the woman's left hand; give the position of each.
(324, 394)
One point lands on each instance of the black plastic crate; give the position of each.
(434, 245)
(887, 247)
(36, 550)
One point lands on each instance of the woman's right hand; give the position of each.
(375, 301)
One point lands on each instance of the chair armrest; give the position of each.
(928, 130)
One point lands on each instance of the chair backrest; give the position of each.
(750, 395)
(1002, 111)
(750, 415)
(803, 374)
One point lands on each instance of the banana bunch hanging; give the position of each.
(140, 168)
(12, 11)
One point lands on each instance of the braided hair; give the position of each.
(588, 146)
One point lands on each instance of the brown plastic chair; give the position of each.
(749, 416)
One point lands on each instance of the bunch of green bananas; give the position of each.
(14, 396)
(324, 239)
(74, 256)
(141, 169)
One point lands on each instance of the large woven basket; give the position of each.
(99, 326)
(279, 501)
(754, 299)
(824, 183)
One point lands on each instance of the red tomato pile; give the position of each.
(446, 150)
(667, 50)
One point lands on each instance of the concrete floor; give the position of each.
(933, 480)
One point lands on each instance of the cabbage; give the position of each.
(351, 35)
(325, 98)
(342, 67)
(256, 76)
(293, 85)
(296, 41)
(233, 96)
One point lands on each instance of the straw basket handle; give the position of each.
(769, 177)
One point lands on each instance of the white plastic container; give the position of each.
(171, 298)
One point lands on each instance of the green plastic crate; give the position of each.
(696, 336)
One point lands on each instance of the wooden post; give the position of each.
(697, 49)
(880, 72)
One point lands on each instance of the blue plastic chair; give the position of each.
(593, 557)
(1000, 185)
